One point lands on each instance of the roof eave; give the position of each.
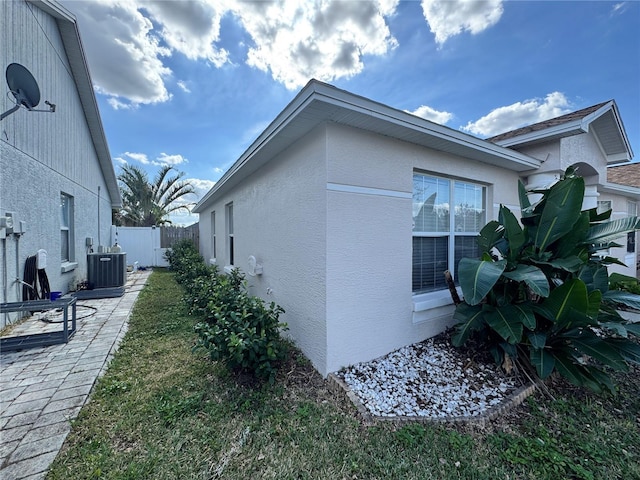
(77, 60)
(616, 188)
(380, 116)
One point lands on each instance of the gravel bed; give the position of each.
(429, 379)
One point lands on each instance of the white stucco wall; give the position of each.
(370, 307)
(280, 218)
(45, 154)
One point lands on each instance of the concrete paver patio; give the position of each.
(43, 389)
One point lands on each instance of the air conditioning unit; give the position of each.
(107, 270)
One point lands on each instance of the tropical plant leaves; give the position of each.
(470, 320)
(608, 231)
(543, 360)
(506, 322)
(619, 296)
(535, 278)
(489, 236)
(477, 278)
(560, 212)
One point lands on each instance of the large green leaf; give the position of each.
(569, 264)
(543, 361)
(608, 231)
(506, 322)
(524, 197)
(477, 278)
(626, 298)
(600, 350)
(490, 234)
(532, 276)
(595, 277)
(628, 349)
(526, 315)
(573, 242)
(537, 339)
(595, 217)
(576, 374)
(570, 295)
(469, 319)
(561, 211)
(513, 231)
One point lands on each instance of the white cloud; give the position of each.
(619, 8)
(432, 114)
(296, 41)
(200, 186)
(138, 157)
(218, 170)
(128, 41)
(191, 28)
(448, 18)
(124, 56)
(165, 159)
(183, 86)
(504, 119)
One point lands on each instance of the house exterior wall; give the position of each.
(45, 154)
(279, 217)
(370, 306)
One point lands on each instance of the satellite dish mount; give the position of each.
(24, 89)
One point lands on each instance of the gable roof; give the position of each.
(75, 53)
(319, 103)
(602, 119)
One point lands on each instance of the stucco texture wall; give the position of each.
(45, 154)
(280, 218)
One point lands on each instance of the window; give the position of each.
(213, 234)
(230, 238)
(66, 228)
(443, 235)
(603, 206)
(632, 211)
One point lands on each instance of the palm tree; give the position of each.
(145, 204)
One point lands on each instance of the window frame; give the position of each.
(213, 235)
(450, 234)
(230, 234)
(67, 229)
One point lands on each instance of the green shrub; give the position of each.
(237, 328)
(541, 291)
(187, 262)
(241, 330)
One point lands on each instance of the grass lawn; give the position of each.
(163, 412)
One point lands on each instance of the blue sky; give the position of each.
(192, 84)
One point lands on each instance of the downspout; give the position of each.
(99, 242)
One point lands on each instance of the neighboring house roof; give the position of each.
(319, 102)
(602, 119)
(625, 175)
(75, 53)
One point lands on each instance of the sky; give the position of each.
(193, 83)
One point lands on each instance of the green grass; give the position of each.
(163, 412)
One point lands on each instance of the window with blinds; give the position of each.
(447, 216)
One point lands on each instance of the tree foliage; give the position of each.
(146, 203)
(541, 291)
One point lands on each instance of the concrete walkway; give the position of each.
(43, 389)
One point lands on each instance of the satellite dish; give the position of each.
(23, 86)
(25, 90)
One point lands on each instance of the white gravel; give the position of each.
(428, 379)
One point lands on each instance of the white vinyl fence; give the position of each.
(142, 245)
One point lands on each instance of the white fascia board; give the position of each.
(78, 62)
(616, 188)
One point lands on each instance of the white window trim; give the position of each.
(442, 297)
